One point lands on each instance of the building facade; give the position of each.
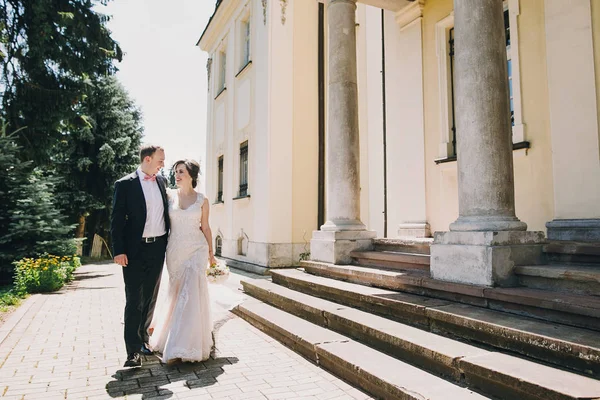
(359, 133)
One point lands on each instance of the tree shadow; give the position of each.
(151, 379)
(86, 275)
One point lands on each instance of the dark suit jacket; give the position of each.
(129, 213)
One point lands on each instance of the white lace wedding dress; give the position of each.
(182, 324)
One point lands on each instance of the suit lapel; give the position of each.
(162, 189)
(162, 186)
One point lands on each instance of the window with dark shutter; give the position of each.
(244, 169)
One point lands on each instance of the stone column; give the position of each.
(486, 195)
(343, 231)
(487, 240)
(343, 153)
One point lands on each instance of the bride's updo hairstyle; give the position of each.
(193, 168)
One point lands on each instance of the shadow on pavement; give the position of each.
(152, 378)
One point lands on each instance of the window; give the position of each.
(244, 169)
(245, 43)
(444, 32)
(508, 57)
(222, 70)
(452, 117)
(220, 181)
(218, 245)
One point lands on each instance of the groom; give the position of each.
(139, 228)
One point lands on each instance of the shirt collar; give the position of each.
(141, 174)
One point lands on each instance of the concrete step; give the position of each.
(454, 360)
(573, 348)
(374, 372)
(245, 266)
(575, 310)
(562, 251)
(403, 245)
(392, 259)
(580, 279)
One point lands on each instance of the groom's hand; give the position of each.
(121, 259)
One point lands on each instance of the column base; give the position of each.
(492, 224)
(484, 258)
(414, 229)
(578, 230)
(343, 225)
(335, 246)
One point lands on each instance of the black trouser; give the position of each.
(142, 280)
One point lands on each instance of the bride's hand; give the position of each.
(212, 260)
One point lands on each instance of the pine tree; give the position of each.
(50, 52)
(30, 222)
(101, 148)
(36, 223)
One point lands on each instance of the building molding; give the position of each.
(410, 13)
(212, 32)
(283, 4)
(264, 10)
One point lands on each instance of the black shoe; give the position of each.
(133, 360)
(145, 350)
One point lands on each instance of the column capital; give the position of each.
(332, 2)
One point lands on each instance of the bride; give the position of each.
(182, 326)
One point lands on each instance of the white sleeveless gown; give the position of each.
(182, 319)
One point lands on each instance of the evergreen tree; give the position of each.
(30, 222)
(50, 52)
(102, 147)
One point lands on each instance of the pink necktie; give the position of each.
(150, 178)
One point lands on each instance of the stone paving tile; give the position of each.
(68, 345)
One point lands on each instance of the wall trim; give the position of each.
(408, 14)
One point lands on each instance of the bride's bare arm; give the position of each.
(205, 228)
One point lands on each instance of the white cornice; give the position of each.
(213, 30)
(410, 13)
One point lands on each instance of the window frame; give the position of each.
(444, 28)
(218, 246)
(244, 169)
(221, 80)
(244, 40)
(220, 178)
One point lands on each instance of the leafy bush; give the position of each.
(45, 274)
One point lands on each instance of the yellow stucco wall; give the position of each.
(441, 180)
(305, 122)
(533, 173)
(596, 38)
(533, 169)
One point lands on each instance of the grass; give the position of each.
(8, 299)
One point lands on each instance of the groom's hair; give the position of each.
(148, 150)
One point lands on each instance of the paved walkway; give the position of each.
(68, 345)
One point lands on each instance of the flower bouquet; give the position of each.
(217, 273)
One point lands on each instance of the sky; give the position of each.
(164, 71)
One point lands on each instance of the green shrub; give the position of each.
(9, 298)
(45, 274)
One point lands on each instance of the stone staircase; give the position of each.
(398, 334)
(396, 254)
(572, 267)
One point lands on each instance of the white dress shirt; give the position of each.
(155, 221)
